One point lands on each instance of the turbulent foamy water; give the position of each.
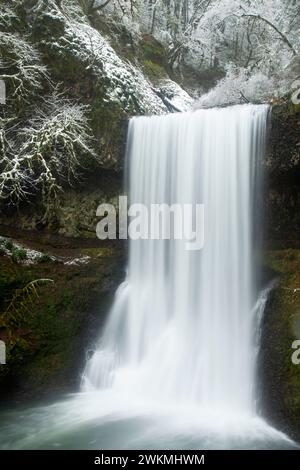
(175, 366)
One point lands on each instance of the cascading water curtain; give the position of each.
(182, 327)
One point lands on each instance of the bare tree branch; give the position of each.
(268, 22)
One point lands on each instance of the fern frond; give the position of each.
(21, 302)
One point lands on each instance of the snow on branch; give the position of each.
(240, 85)
(8, 18)
(259, 17)
(20, 65)
(48, 153)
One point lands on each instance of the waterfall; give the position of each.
(183, 325)
(175, 364)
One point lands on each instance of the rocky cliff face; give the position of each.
(282, 172)
(279, 376)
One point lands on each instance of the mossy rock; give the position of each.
(151, 49)
(46, 349)
(154, 71)
(153, 58)
(279, 377)
(282, 168)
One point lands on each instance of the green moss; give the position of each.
(293, 109)
(280, 331)
(18, 254)
(44, 345)
(153, 50)
(109, 123)
(8, 245)
(153, 70)
(282, 261)
(98, 252)
(44, 259)
(153, 58)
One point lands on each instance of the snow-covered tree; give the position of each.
(253, 46)
(46, 152)
(262, 36)
(20, 65)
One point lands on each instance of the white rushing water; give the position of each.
(175, 364)
(182, 326)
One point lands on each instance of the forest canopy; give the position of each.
(76, 69)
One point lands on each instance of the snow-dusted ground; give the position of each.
(32, 256)
(9, 246)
